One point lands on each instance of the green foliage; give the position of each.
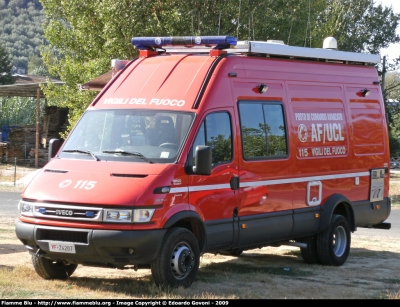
(358, 25)
(392, 86)
(36, 67)
(85, 36)
(394, 144)
(262, 142)
(222, 148)
(19, 111)
(21, 31)
(392, 99)
(39, 71)
(5, 68)
(254, 142)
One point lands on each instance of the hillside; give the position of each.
(21, 31)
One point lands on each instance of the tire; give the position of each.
(310, 253)
(178, 261)
(49, 269)
(333, 244)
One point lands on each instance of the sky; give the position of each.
(394, 49)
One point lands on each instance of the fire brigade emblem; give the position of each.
(302, 133)
(65, 183)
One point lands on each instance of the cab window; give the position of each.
(215, 131)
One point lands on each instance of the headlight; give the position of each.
(25, 208)
(142, 215)
(117, 215)
(127, 216)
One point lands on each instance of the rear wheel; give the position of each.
(49, 269)
(333, 244)
(178, 261)
(310, 253)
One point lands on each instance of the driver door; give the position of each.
(214, 196)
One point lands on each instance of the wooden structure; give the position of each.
(29, 86)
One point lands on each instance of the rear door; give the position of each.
(266, 189)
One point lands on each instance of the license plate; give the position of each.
(62, 247)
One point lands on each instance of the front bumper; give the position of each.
(110, 248)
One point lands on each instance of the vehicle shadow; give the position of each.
(258, 267)
(11, 248)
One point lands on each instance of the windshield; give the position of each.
(148, 136)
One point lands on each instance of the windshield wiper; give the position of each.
(132, 153)
(88, 152)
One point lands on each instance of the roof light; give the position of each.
(263, 88)
(220, 42)
(365, 92)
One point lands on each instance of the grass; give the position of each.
(252, 276)
(395, 176)
(10, 174)
(394, 188)
(7, 174)
(393, 295)
(270, 273)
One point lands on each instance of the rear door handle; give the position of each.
(234, 183)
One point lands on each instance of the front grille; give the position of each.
(70, 212)
(73, 213)
(62, 235)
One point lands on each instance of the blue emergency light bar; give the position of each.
(220, 42)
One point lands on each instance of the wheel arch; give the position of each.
(192, 222)
(337, 204)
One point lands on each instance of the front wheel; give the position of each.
(178, 261)
(49, 269)
(333, 244)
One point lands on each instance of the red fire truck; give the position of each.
(208, 144)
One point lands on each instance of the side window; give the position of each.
(215, 131)
(263, 129)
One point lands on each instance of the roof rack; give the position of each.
(271, 48)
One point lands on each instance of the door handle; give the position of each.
(234, 183)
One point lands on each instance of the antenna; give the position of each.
(291, 25)
(252, 20)
(249, 35)
(308, 24)
(219, 22)
(383, 80)
(237, 29)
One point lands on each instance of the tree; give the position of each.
(21, 31)
(85, 36)
(36, 67)
(5, 68)
(392, 85)
(358, 25)
(19, 110)
(392, 91)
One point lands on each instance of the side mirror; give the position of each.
(203, 160)
(54, 146)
